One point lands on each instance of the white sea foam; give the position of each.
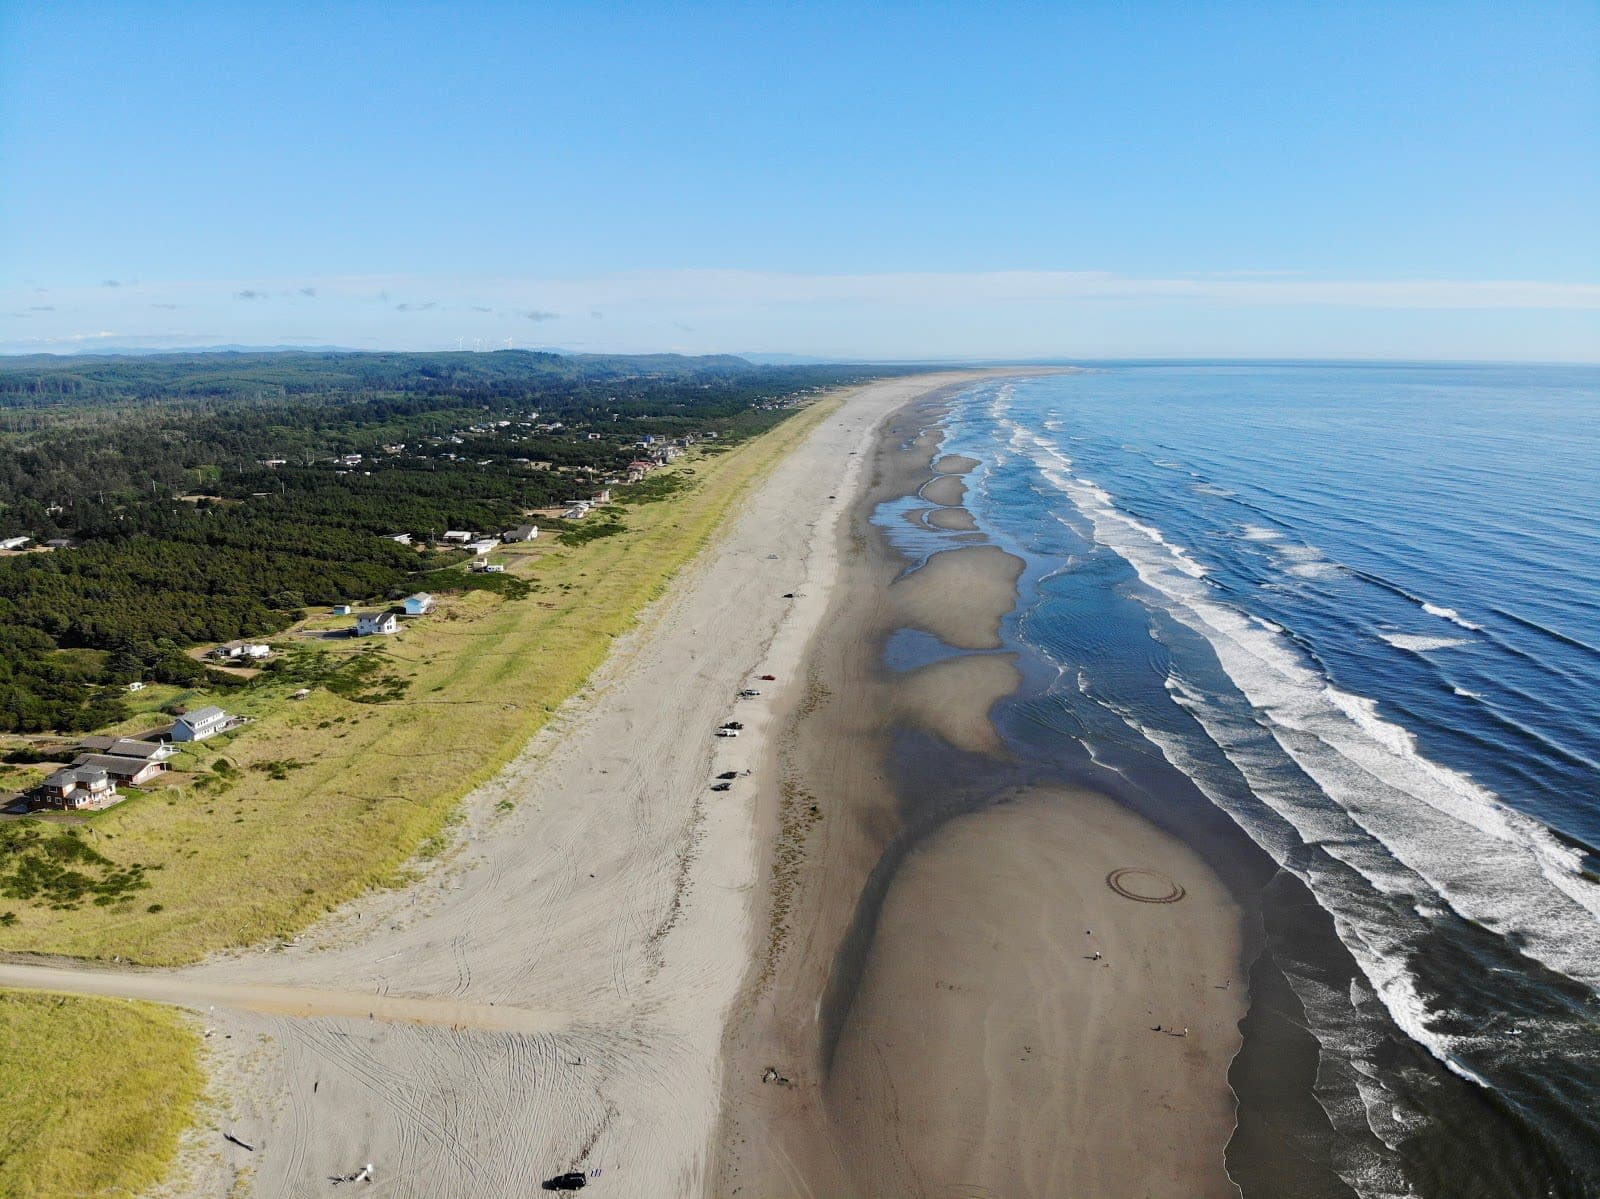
(1421, 643)
(1451, 615)
(1293, 557)
(1483, 859)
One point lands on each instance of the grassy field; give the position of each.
(96, 1094)
(318, 800)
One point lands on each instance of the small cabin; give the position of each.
(419, 604)
(342, 609)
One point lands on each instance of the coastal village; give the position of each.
(250, 696)
(68, 779)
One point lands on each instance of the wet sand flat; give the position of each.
(922, 1018)
(960, 596)
(946, 489)
(952, 699)
(989, 1052)
(957, 520)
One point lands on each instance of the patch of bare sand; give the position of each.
(952, 698)
(989, 1052)
(955, 464)
(956, 520)
(960, 596)
(945, 489)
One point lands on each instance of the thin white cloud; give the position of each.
(907, 289)
(973, 314)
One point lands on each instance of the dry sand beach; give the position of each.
(864, 970)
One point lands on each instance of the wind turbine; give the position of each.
(508, 343)
(459, 342)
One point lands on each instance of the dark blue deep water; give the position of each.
(1352, 613)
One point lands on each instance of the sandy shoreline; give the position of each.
(610, 910)
(605, 970)
(929, 1016)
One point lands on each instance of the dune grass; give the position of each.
(321, 799)
(96, 1091)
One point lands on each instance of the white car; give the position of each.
(749, 693)
(727, 732)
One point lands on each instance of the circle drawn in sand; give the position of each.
(1145, 886)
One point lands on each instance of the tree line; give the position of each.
(156, 468)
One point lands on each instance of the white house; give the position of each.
(461, 536)
(199, 724)
(14, 543)
(419, 604)
(483, 545)
(520, 533)
(341, 609)
(373, 624)
(400, 538)
(242, 650)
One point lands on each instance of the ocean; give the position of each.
(1339, 626)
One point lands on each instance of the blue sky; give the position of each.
(1088, 180)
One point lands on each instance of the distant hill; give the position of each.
(795, 360)
(53, 380)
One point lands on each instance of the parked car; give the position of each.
(727, 732)
(722, 786)
(749, 693)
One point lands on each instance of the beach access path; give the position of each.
(553, 995)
